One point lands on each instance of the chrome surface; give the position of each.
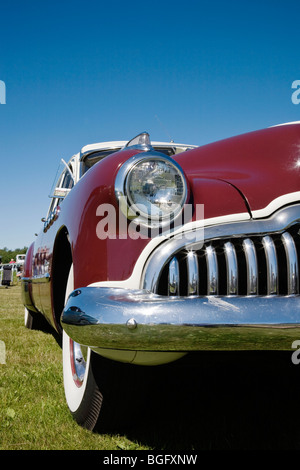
(173, 278)
(212, 271)
(252, 240)
(252, 269)
(141, 142)
(236, 289)
(272, 267)
(292, 263)
(232, 268)
(41, 278)
(192, 273)
(131, 324)
(78, 361)
(26, 292)
(97, 317)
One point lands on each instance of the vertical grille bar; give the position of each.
(212, 271)
(272, 267)
(192, 273)
(173, 277)
(251, 262)
(292, 263)
(232, 268)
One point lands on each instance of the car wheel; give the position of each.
(83, 396)
(83, 370)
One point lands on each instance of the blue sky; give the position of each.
(84, 72)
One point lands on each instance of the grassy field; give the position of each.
(33, 411)
(210, 401)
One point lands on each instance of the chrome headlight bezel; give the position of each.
(122, 190)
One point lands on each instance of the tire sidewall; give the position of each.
(74, 394)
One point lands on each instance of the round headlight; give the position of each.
(154, 186)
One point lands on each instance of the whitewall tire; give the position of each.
(83, 396)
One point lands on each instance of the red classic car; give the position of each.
(154, 250)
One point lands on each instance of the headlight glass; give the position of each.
(156, 188)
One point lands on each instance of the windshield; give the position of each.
(93, 158)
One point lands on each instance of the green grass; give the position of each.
(33, 410)
(211, 400)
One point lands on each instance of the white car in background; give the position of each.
(20, 259)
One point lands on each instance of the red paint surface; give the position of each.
(263, 165)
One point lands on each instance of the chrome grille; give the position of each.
(266, 264)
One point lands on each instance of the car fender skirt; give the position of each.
(138, 320)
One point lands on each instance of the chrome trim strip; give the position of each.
(272, 266)
(232, 268)
(97, 317)
(115, 147)
(278, 222)
(173, 277)
(192, 273)
(292, 263)
(212, 271)
(252, 269)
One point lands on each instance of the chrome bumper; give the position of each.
(137, 320)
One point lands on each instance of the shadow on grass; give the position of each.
(216, 400)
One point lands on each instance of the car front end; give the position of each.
(222, 269)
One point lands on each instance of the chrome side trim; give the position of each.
(272, 266)
(192, 273)
(278, 222)
(252, 269)
(173, 278)
(232, 269)
(98, 317)
(292, 263)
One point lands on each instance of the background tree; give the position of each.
(7, 254)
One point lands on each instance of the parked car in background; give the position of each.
(20, 259)
(150, 251)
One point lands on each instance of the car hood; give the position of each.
(263, 166)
